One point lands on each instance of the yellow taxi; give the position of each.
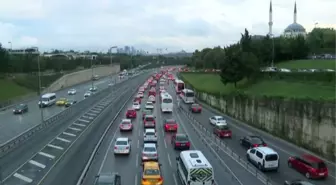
(151, 174)
(61, 101)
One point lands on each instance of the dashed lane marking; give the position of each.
(54, 146)
(78, 124)
(91, 114)
(69, 134)
(37, 164)
(75, 129)
(47, 155)
(83, 120)
(22, 177)
(62, 139)
(87, 117)
(94, 111)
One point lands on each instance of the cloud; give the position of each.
(150, 24)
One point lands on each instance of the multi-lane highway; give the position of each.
(12, 125)
(129, 167)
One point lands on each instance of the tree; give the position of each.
(231, 68)
(4, 64)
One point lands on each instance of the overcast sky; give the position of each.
(149, 24)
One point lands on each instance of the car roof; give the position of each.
(218, 116)
(126, 120)
(181, 135)
(151, 164)
(150, 130)
(122, 139)
(170, 120)
(149, 116)
(266, 150)
(311, 158)
(130, 109)
(150, 145)
(106, 177)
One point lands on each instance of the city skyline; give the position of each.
(149, 25)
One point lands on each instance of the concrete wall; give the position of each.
(308, 124)
(82, 76)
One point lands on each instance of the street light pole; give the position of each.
(39, 83)
(110, 51)
(92, 72)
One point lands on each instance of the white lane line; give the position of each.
(87, 117)
(94, 111)
(164, 141)
(138, 143)
(170, 163)
(37, 164)
(98, 109)
(47, 155)
(62, 139)
(78, 124)
(75, 129)
(22, 177)
(136, 180)
(83, 120)
(100, 106)
(137, 160)
(139, 133)
(69, 134)
(91, 114)
(174, 177)
(56, 147)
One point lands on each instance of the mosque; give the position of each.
(293, 30)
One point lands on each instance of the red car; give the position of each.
(222, 130)
(170, 125)
(309, 165)
(131, 113)
(137, 99)
(195, 108)
(126, 125)
(149, 121)
(152, 92)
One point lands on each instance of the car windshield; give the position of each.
(136, 103)
(194, 105)
(121, 143)
(271, 157)
(149, 149)
(222, 127)
(20, 106)
(319, 165)
(149, 119)
(125, 123)
(150, 133)
(45, 99)
(170, 121)
(149, 103)
(181, 138)
(152, 172)
(167, 100)
(220, 119)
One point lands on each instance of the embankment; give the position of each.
(82, 76)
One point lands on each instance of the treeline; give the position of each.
(244, 59)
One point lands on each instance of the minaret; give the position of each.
(270, 23)
(295, 13)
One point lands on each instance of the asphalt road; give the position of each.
(41, 158)
(284, 149)
(13, 125)
(129, 167)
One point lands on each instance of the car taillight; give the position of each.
(160, 179)
(177, 144)
(115, 147)
(188, 144)
(264, 144)
(144, 180)
(255, 145)
(175, 126)
(127, 148)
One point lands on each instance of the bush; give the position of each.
(324, 77)
(31, 81)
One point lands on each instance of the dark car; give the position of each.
(252, 141)
(181, 141)
(146, 112)
(108, 179)
(20, 109)
(297, 182)
(195, 108)
(70, 102)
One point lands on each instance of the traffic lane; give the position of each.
(284, 173)
(222, 173)
(13, 125)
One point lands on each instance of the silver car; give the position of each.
(149, 152)
(87, 94)
(72, 92)
(150, 136)
(122, 146)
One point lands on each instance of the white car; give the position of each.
(214, 120)
(141, 94)
(136, 105)
(72, 92)
(87, 94)
(151, 98)
(149, 105)
(93, 89)
(150, 136)
(149, 152)
(122, 146)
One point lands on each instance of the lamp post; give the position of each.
(110, 51)
(92, 72)
(39, 82)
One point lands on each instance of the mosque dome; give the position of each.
(295, 27)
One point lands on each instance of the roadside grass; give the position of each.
(287, 89)
(308, 64)
(10, 90)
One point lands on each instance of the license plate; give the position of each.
(182, 144)
(321, 174)
(171, 129)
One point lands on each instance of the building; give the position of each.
(295, 29)
(23, 51)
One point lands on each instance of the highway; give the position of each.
(284, 149)
(13, 125)
(45, 154)
(129, 167)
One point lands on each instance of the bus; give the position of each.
(194, 169)
(179, 86)
(188, 96)
(166, 103)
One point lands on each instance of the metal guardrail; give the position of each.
(19, 139)
(216, 144)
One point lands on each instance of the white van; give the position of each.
(188, 96)
(47, 100)
(264, 158)
(167, 104)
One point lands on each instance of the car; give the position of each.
(146, 112)
(108, 178)
(140, 94)
(151, 174)
(149, 105)
(180, 141)
(72, 92)
(152, 92)
(222, 130)
(149, 121)
(195, 108)
(126, 125)
(137, 99)
(61, 101)
(217, 119)
(170, 125)
(142, 89)
(70, 102)
(131, 113)
(149, 152)
(252, 141)
(297, 182)
(264, 158)
(93, 89)
(151, 98)
(136, 105)
(312, 167)
(87, 94)
(150, 136)
(20, 109)
(122, 146)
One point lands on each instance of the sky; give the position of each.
(149, 24)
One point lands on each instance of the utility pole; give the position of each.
(40, 84)
(92, 71)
